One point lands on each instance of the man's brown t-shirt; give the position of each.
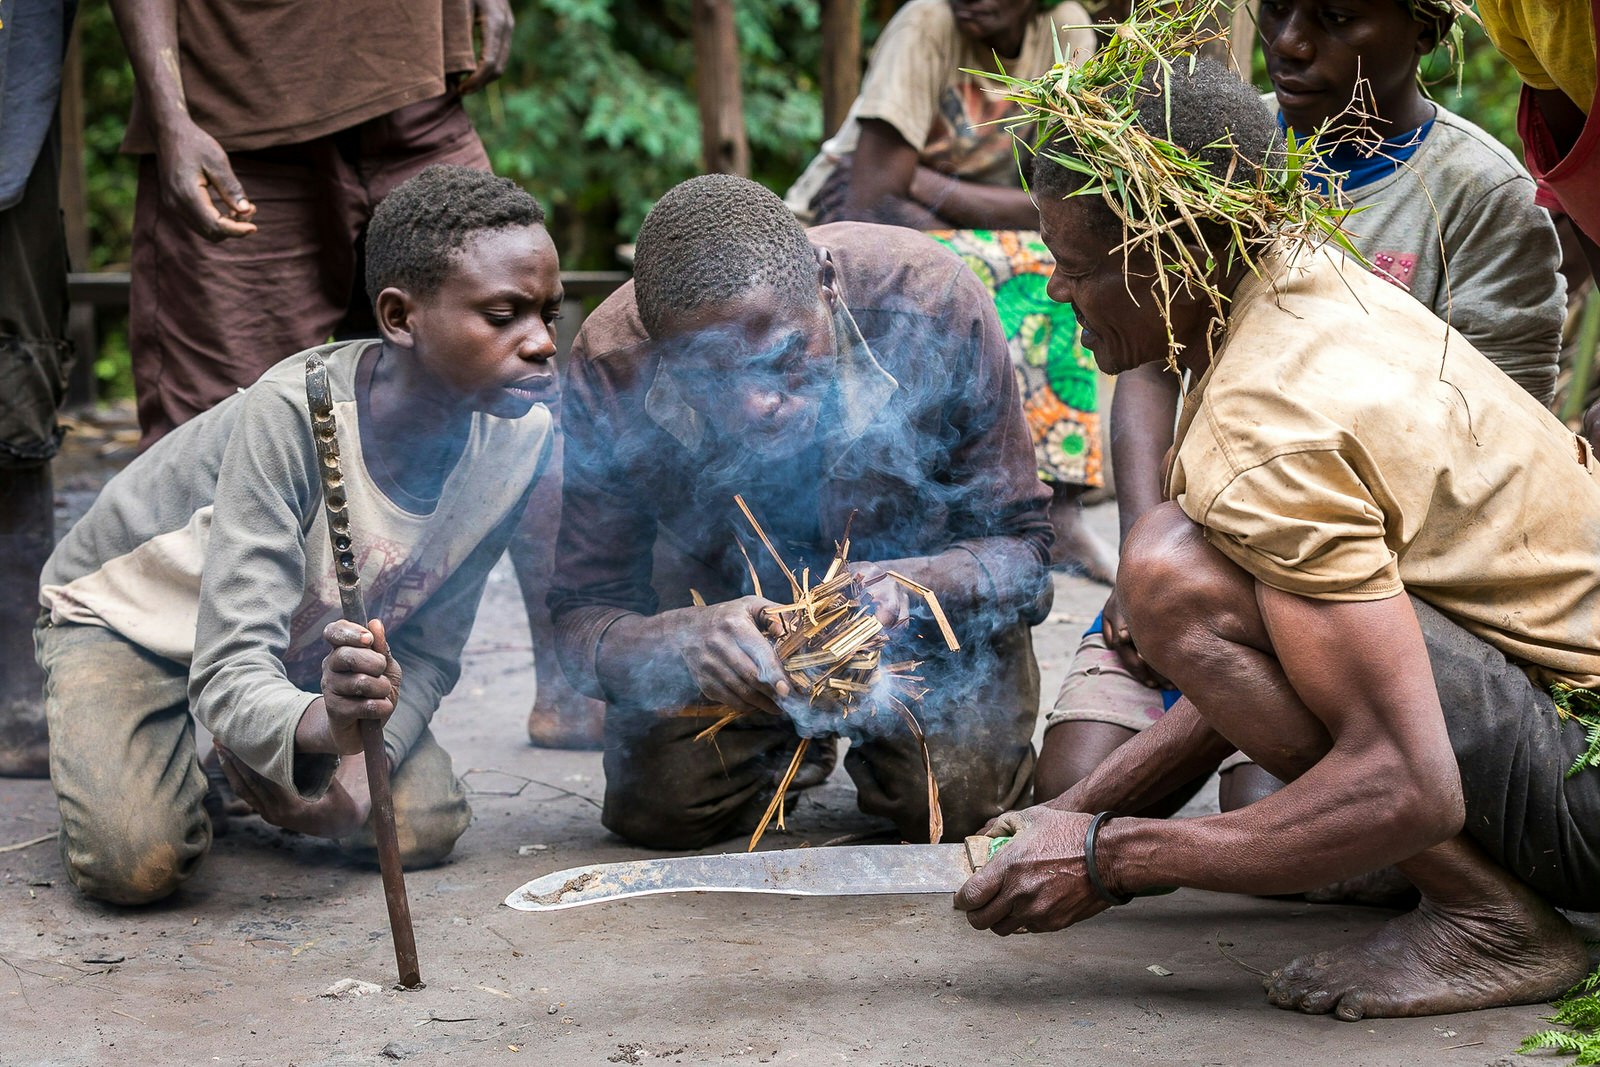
(259, 74)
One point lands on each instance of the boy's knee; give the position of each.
(140, 866)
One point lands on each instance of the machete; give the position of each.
(848, 870)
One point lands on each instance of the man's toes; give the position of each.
(1318, 1002)
(1352, 1007)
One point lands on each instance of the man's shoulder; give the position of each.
(613, 340)
(895, 269)
(1320, 346)
(1464, 150)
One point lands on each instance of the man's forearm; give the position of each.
(999, 577)
(972, 205)
(1174, 751)
(150, 34)
(636, 662)
(1353, 812)
(891, 210)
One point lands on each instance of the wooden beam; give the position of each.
(841, 61)
(1242, 36)
(73, 190)
(724, 148)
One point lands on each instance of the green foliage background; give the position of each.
(596, 115)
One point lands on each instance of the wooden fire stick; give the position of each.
(319, 399)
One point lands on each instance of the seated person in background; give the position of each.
(1445, 213)
(849, 369)
(200, 585)
(1377, 574)
(921, 148)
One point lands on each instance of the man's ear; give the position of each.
(827, 278)
(1434, 31)
(394, 308)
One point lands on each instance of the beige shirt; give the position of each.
(916, 83)
(1347, 445)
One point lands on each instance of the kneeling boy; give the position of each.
(200, 583)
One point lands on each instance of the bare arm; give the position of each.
(1385, 789)
(495, 23)
(193, 167)
(1143, 410)
(880, 181)
(972, 205)
(1565, 121)
(1142, 414)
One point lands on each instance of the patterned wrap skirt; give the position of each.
(1055, 374)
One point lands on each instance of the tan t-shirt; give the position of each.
(256, 75)
(1347, 445)
(915, 83)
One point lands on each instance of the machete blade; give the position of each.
(839, 871)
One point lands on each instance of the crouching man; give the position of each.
(851, 370)
(200, 584)
(1378, 557)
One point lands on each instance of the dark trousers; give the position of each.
(1514, 750)
(664, 789)
(34, 353)
(208, 318)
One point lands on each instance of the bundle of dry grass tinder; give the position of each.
(830, 644)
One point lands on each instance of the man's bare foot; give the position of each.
(581, 727)
(24, 739)
(1434, 961)
(1383, 888)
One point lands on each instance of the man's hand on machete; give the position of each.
(1038, 882)
(360, 680)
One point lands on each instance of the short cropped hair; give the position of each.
(713, 238)
(429, 218)
(1204, 110)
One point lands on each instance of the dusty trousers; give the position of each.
(664, 789)
(128, 781)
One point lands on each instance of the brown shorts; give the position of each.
(34, 353)
(208, 318)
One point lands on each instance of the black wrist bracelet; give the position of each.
(1089, 860)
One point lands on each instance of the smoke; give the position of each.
(914, 433)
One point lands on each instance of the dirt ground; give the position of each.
(234, 970)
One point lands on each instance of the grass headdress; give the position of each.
(1086, 119)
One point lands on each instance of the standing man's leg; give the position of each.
(33, 382)
(208, 318)
(561, 716)
(122, 762)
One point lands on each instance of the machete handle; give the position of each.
(980, 850)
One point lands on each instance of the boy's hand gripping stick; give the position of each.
(319, 400)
